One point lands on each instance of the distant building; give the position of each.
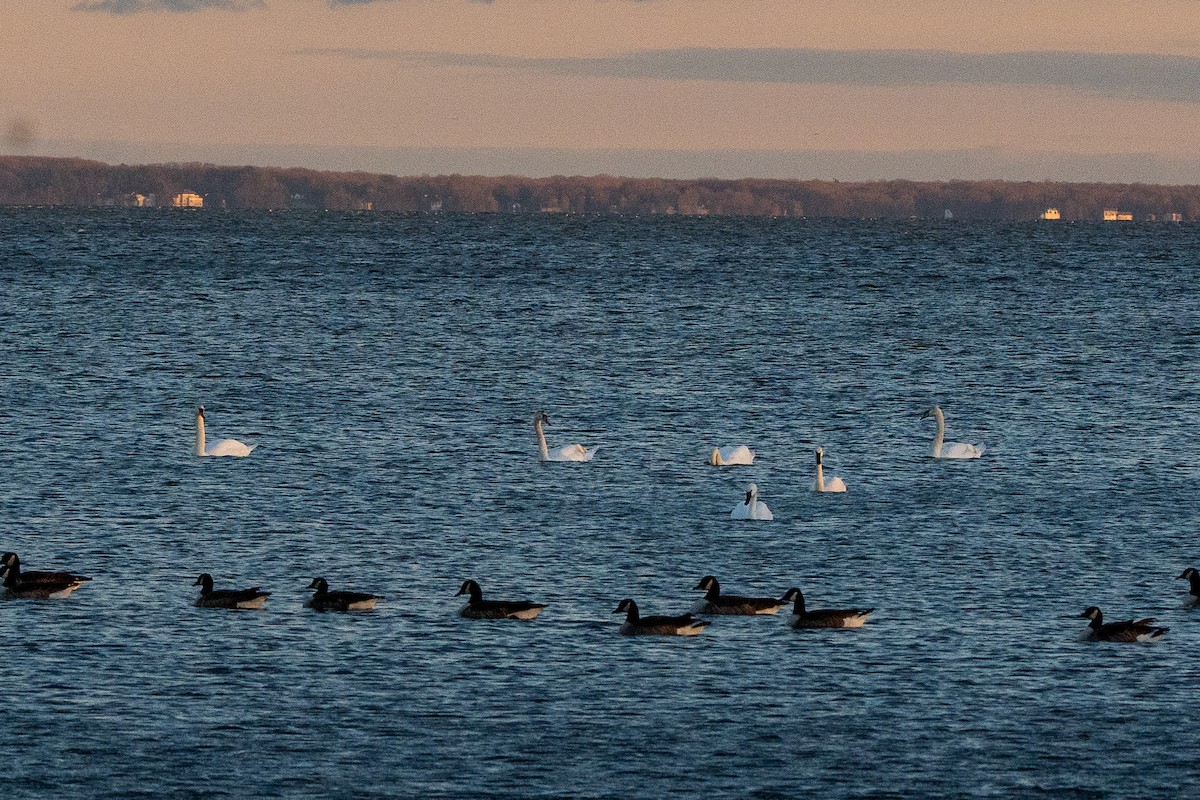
(187, 200)
(1051, 213)
(1174, 216)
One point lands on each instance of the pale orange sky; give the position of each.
(289, 73)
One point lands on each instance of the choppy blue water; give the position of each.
(389, 367)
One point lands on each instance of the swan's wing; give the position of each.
(740, 511)
(573, 452)
(736, 456)
(764, 513)
(961, 450)
(835, 484)
(228, 447)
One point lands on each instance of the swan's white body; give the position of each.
(834, 484)
(731, 456)
(944, 449)
(221, 447)
(752, 507)
(570, 452)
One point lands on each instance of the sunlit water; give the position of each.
(389, 369)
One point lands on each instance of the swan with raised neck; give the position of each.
(570, 452)
(221, 447)
(835, 484)
(944, 449)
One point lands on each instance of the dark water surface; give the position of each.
(389, 367)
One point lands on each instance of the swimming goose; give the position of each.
(221, 447)
(1140, 630)
(731, 456)
(49, 586)
(228, 598)
(823, 617)
(1194, 579)
(716, 603)
(942, 449)
(751, 507)
(570, 452)
(325, 600)
(834, 484)
(10, 561)
(478, 608)
(635, 625)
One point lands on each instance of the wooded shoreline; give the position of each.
(39, 181)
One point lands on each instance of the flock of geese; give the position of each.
(20, 584)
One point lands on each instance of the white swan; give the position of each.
(731, 456)
(221, 447)
(834, 484)
(752, 507)
(943, 449)
(570, 452)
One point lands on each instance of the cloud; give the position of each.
(139, 6)
(1139, 75)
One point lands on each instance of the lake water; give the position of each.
(389, 368)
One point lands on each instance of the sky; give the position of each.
(1082, 90)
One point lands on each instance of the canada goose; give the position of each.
(716, 603)
(823, 617)
(478, 608)
(36, 585)
(228, 598)
(325, 600)
(1141, 630)
(635, 625)
(10, 561)
(1193, 579)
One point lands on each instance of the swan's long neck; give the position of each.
(545, 451)
(820, 476)
(752, 502)
(941, 432)
(199, 435)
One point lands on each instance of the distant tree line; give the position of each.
(74, 182)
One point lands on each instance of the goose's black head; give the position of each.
(320, 584)
(205, 582)
(1094, 614)
(709, 584)
(796, 595)
(11, 560)
(627, 606)
(471, 588)
(1189, 573)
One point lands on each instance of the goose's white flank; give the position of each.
(834, 484)
(221, 447)
(570, 452)
(752, 507)
(944, 449)
(731, 456)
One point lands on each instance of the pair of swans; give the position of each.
(944, 449)
(744, 456)
(754, 509)
(221, 447)
(570, 452)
